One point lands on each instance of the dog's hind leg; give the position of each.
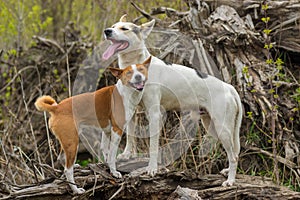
(209, 125)
(70, 150)
(61, 158)
(233, 122)
(232, 159)
(211, 138)
(225, 129)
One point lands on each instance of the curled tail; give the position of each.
(45, 103)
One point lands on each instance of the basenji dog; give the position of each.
(177, 87)
(102, 108)
(128, 42)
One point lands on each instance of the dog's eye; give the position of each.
(124, 29)
(128, 73)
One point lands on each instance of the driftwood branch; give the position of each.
(163, 186)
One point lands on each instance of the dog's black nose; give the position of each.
(108, 32)
(138, 77)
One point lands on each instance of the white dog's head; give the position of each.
(126, 36)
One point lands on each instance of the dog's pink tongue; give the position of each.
(110, 51)
(139, 86)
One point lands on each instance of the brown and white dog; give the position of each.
(102, 108)
(176, 87)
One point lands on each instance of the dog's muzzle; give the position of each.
(116, 45)
(108, 32)
(138, 85)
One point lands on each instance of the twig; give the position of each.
(162, 10)
(144, 13)
(118, 191)
(187, 136)
(95, 183)
(35, 176)
(18, 73)
(30, 124)
(49, 43)
(48, 138)
(68, 71)
(284, 161)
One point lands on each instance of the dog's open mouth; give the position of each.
(138, 86)
(116, 46)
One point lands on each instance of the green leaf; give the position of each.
(245, 70)
(269, 61)
(271, 91)
(265, 19)
(279, 62)
(265, 7)
(249, 115)
(268, 46)
(12, 52)
(267, 31)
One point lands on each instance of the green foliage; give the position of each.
(265, 7)
(268, 46)
(245, 71)
(250, 115)
(296, 96)
(265, 19)
(84, 163)
(252, 135)
(20, 20)
(37, 25)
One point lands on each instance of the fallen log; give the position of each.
(99, 184)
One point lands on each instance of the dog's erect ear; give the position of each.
(116, 71)
(147, 28)
(146, 63)
(123, 18)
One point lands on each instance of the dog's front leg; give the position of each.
(105, 138)
(130, 148)
(113, 148)
(155, 121)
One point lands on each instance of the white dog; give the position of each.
(127, 40)
(176, 87)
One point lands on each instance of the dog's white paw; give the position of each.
(151, 170)
(228, 183)
(79, 190)
(116, 174)
(76, 165)
(224, 172)
(124, 156)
